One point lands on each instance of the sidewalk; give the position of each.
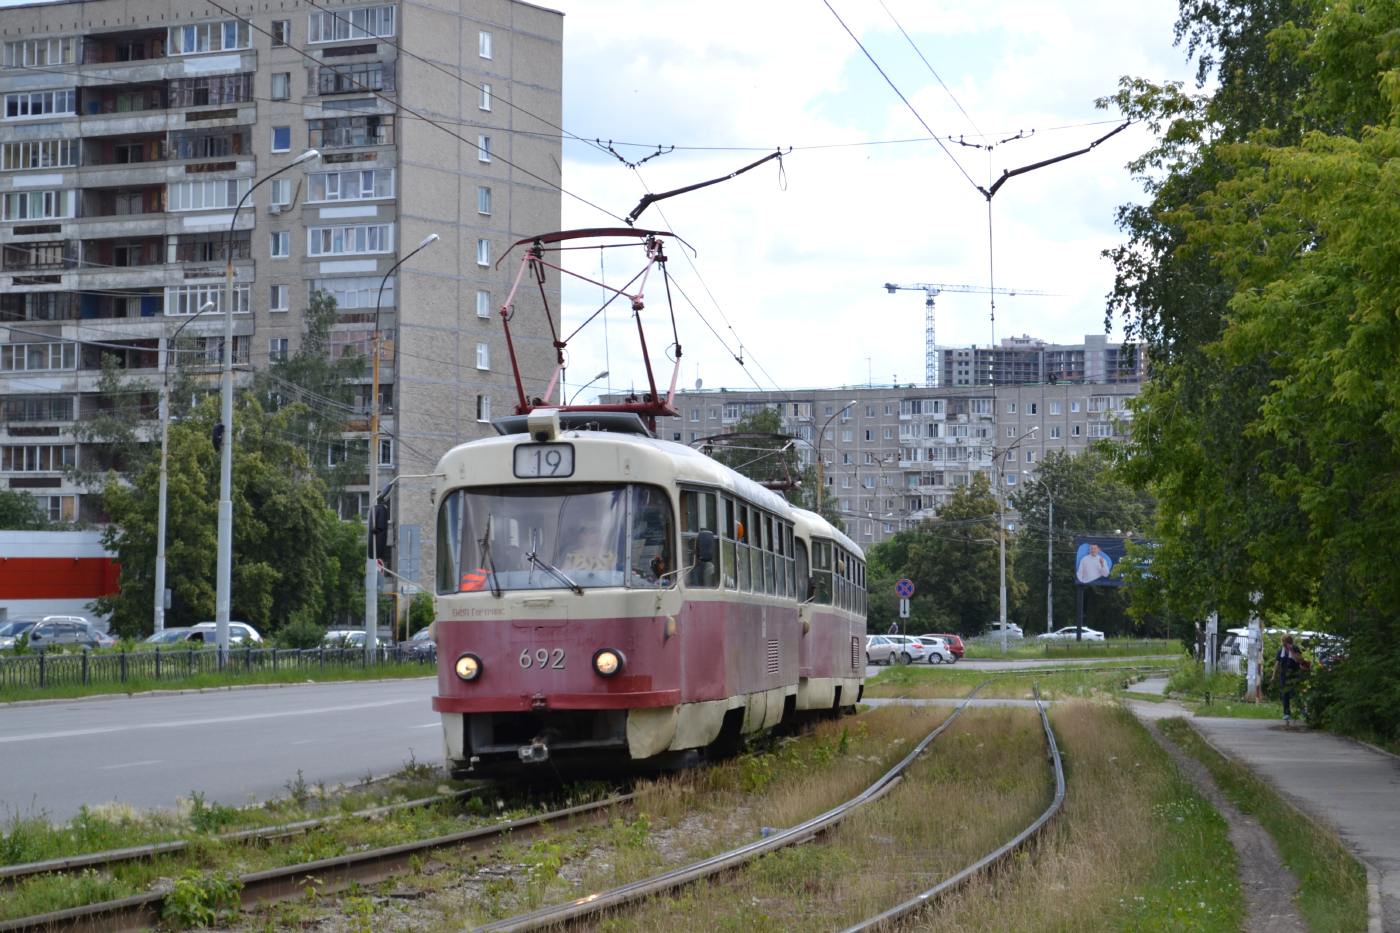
(1345, 784)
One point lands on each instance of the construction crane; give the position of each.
(931, 291)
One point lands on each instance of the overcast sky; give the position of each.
(797, 272)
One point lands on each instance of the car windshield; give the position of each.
(160, 638)
(16, 628)
(576, 531)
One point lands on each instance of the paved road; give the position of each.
(231, 746)
(1344, 783)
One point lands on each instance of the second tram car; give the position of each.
(608, 600)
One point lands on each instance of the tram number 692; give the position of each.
(543, 658)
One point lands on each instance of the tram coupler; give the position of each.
(534, 753)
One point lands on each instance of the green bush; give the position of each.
(300, 633)
(420, 612)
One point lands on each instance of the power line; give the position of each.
(930, 67)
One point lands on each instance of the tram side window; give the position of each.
(769, 586)
(821, 570)
(802, 569)
(843, 579)
(449, 536)
(789, 569)
(743, 534)
(727, 547)
(650, 557)
(697, 515)
(780, 581)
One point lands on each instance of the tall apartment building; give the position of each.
(1025, 359)
(130, 130)
(892, 454)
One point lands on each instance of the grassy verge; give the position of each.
(201, 681)
(1332, 885)
(921, 682)
(1032, 648)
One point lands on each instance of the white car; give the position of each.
(1072, 633)
(936, 650)
(907, 649)
(238, 632)
(1012, 630)
(345, 638)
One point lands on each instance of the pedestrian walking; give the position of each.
(1288, 661)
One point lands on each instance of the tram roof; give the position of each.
(824, 529)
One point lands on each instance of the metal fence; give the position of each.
(49, 669)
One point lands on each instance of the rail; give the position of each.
(592, 904)
(52, 669)
(144, 911)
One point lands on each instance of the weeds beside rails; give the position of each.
(922, 683)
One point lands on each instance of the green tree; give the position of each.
(289, 549)
(772, 458)
(20, 511)
(954, 563)
(1089, 499)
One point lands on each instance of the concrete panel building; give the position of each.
(129, 132)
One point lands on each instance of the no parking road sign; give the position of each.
(904, 589)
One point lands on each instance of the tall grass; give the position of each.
(989, 649)
(208, 681)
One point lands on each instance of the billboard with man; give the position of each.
(1095, 558)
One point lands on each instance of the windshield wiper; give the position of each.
(535, 559)
(485, 544)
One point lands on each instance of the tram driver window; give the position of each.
(726, 546)
(652, 563)
(743, 535)
(698, 514)
(802, 570)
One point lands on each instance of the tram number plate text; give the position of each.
(552, 460)
(542, 658)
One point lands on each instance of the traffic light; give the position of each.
(219, 438)
(379, 530)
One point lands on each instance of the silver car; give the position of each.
(68, 630)
(911, 650)
(11, 631)
(879, 649)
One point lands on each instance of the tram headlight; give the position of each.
(468, 667)
(607, 661)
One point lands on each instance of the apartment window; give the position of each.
(278, 348)
(281, 139)
(846, 437)
(46, 153)
(845, 505)
(483, 408)
(981, 406)
(889, 409)
(483, 148)
(38, 408)
(1030, 456)
(344, 132)
(386, 452)
(210, 37)
(870, 435)
(371, 23)
(1099, 403)
(889, 434)
(483, 304)
(714, 413)
(483, 252)
(1054, 433)
(845, 482)
(695, 414)
(846, 459)
(870, 482)
(1054, 408)
(1074, 431)
(28, 357)
(484, 44)
(39, 104)
(357, 78)
(282, 85)
(1031, 408)
(350, 240)
(1074, 406)
(37, 205)
(483, 200)
(350, 186)
(484, 100)
(208, 91)
(1011, 456)
(1100, 430)
(281, 245)
(281, 33)
(278, 297)
(869, 459)
(1010, 431)
(188, 299)
(483, 356)
(37, 458)
(829, 410)
(846, 413)
(33, 53)
(203, 195)
(1011, 479)
(280, 191)
(870, 411)
(360, 291)
(1011, 408)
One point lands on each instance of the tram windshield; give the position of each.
(538, 537)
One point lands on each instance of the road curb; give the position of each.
(231, 688)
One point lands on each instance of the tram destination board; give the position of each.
(534, 461)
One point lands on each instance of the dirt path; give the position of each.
(1268, 886)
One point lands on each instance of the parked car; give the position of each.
(421, 646)
(171, 636)
(910, 649)
(1012, 630)
(879, 649)
(345, 638)
(1071, 633)
(237, 632)
(11, 631)
(954, 643)
(68, 630)
(936, 650)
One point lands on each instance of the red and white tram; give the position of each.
(607, 599)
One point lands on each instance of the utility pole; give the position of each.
(1050, 567)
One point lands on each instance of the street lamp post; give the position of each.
(224, 572)
(164, 450)
(1049, 558)
(371, 551)
(1001, 535)
(601, 375)
(821, 436)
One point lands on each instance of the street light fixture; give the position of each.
(224, 572)
(821, 436)
(601, 375)
(164, 452)
(372, 556)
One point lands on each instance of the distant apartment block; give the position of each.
(131, 128)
